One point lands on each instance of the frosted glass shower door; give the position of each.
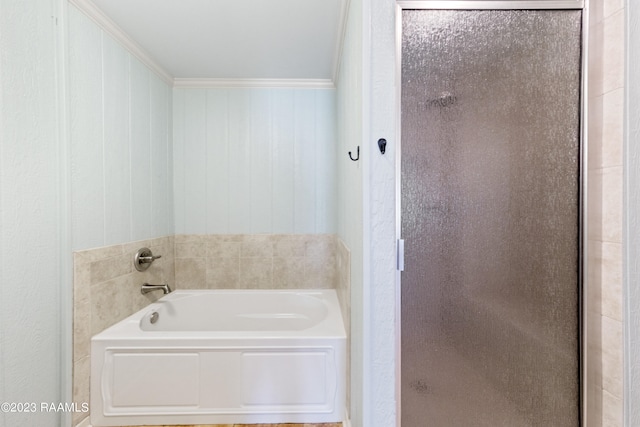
(490, 218)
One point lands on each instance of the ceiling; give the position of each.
(235, 39)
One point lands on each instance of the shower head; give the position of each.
(445, 99)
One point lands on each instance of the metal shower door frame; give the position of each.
(402, 5)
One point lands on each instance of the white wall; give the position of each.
(30, 214)
(380, 214)
(350, 175)
(121, 146)
(632, 202)
(254, 160)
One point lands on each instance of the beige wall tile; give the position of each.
(290, 245)
(596, 11)
(604, 212)
(343, 280)
(320, 262)
(220, 248)
(108, 268)
(612, 356)
(191, 273)
(192, 249)
(320, 272)
(81, 330)
(594, 351)
(612, 413)
(256, 273)
(288, 272)
(612, 128)
(612, 204)
(81, 373)
(223, 273)
(81, 279)
(594, 277)
(108, 306)
(91, 255)
(322, 246)
(186, 238)
(257, 246)
(596, 65)
(611, 264)
(595, 204)
(260, 261)
(595, 129)
(613, 52)
(612, 6)
(159, 246)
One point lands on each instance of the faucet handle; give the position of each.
(148, 259)
(143, 259)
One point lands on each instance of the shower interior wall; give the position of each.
(632, 219)
(604, 295)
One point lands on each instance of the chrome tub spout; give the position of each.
(146, 288)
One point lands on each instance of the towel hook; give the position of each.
(357, 154)
(382, 145)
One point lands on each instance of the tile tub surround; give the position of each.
(343, 291)
(106, 290)
(256, 261)
(106, 286)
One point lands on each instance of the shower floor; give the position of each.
(437, 393)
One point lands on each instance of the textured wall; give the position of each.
(254, 161)
(349, 104)
(30, 305)
(120, 122)
(632, 171)
(380, 210)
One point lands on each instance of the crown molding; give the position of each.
(108, 25)
(254, 83)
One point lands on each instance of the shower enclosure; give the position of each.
(490, 216)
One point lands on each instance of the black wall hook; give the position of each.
(357, 153)
(382, 145)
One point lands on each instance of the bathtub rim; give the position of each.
(331, 327)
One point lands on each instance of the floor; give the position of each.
(256, 425)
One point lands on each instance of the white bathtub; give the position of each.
(223, 357)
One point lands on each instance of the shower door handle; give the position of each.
(400, 251)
